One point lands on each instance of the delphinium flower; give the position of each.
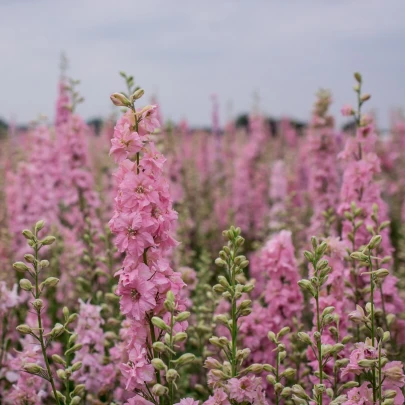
(142, 222)
(97, 376)
(362, 207)
(250, 184)
(278, 297)
(323, 174)
(228, 376)
(278, 192)
(369, 359)
(41, 170)
(63, 110)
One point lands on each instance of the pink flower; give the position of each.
(394, 373)
(219, 398)
(137, 295)
(187, 401)
(347, 110)
(137, 371)
(362, 395)
(131, 235)
(244, 389)
(363, 351)
(149, 119)
(138, 400)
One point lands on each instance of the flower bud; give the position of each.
(159, 390)
(271, 379)
(286, 392)
(138, 94)
(284, 331)
(58, 360)
(159, 347)
(38, 304)
(39, 225)
(288, 373)
(171, 375)
(160, 323)
(366, 363)
(358, 77)
(184, 359)
(73, 349)
(119, 100)
(299, 392)
(51, 282)
(75, 400)
(28, 234)
(158, 364)
(29, 258)
(390, 394)
(304, 337)
(375, 241)
(307, 285)
(20, 266)
(77, 366)
(43, 264)
(182, 316)
(72, 338)
(32, 368)
(24, 329)
(272, 336)
(180, 337)
(48, 240)
(79, 389)
(61, 374)
(26, 284)
(57, 330)
(381, 273)
(220, 263)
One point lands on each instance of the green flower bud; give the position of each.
(32, 368)
(159, 390)
(288, 373)
(48, 240)
(171, 375)
(58, 360)
(79, 389)
(184, 359)
(26, 284)
(57, 330)
(159, 347)
(73, 349)
(28, 234)
(61, 374)
(119, 100)
(158, 364)
(180, 337)
(29, 258)
(160, 323)
(366, 363)
(20, 266)
(38, 304)
(24, 329)
(39, 225)
(182, 316)
(77, 366)
(375, 241)
(138, 94)
(75, 400)
(51, 281)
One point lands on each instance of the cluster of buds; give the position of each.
(324, 319)
(165, 361)
(127, 99)
(276, 375)
(232, 286)
(33, 266)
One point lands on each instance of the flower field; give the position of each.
(150, 263)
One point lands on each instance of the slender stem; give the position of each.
(319, 343)
(41, 331)
(234, 320)
(171, 391)
(277, 376)
(372, 323)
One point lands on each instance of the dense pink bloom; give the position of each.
(138, 370)
(187, 401)
(362, 395)
(219, 398)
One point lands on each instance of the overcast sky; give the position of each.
(185, 50)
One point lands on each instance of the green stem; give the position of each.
(372, 323)
(234, 321)
(171, 391)
(277, 376)
(319, 344)
(41, 331)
